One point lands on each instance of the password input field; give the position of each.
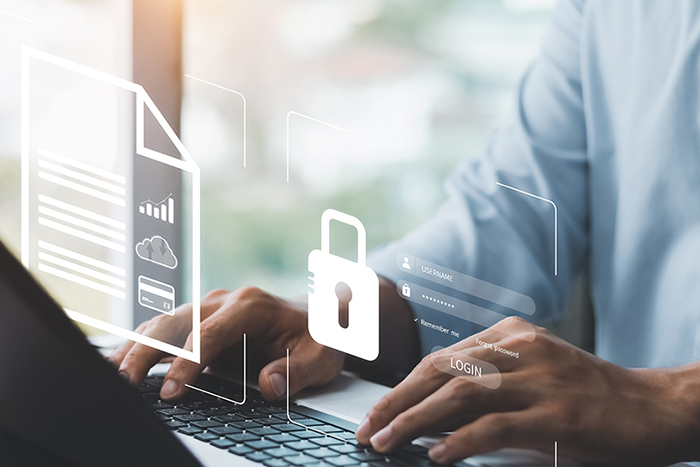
(466, 284)
(463, 310)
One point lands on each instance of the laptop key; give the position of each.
(239, 449)
(267, 420)
(173, 411)
(222, 443)
(189, 417)
(214, 411)
(275, 463)
(301, 445)
(206, 436)
(228, 418)
(224, 430)
(321, 453)
(308, 422)
(342, 461)
(189, 430)
(207, 423)
(282, 438)
(281, 452)
(366, 456)
(385, 463)
(254, 415)
(273, 410)
(263, 431)
(195, 405)
(328, 428)
(245, 425)
(327, 441)
(242, 437)
(346, 448)
(302, 459)
(259, 445)
(308, 434)
(288, 427)
(257, 456)
(175, 424)
(158, 404)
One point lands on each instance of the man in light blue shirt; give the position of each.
(607, 127)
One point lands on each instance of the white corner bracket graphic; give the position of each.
(245, 380)
(289, 114)
(555, 218)
(245, 113)
(301, 424)
(4, 12)
(185, 164)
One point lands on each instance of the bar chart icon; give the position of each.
(163, 210)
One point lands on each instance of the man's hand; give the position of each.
(597, 411)
(271, 324)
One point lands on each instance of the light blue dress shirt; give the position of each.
(607, 126)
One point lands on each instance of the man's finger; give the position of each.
(421, 382)
(309, 365)
(219, 331)
(140, 357)
(118, 355)
(457, 401)
(489, 433)
(138, 361)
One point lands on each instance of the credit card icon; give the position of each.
(156, 295)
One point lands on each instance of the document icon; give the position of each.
(89, 230)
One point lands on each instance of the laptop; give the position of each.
(63, 404)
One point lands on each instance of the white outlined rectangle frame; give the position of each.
(143, 100)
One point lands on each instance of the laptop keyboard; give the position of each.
(261, 432)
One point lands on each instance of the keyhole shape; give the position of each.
(344, 294)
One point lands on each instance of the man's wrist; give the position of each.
(677, 390)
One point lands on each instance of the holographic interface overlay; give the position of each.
(114, 247)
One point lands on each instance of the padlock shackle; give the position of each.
(331, 214)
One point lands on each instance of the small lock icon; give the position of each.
(406, 290)
(359, 336)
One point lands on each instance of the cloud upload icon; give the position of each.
(156, 250)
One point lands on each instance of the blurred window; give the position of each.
(419, 85)
(95, 33)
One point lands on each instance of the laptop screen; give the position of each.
(59, 395)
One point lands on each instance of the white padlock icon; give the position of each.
(359, 336)
(406, 290)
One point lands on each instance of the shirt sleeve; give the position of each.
(500, 235)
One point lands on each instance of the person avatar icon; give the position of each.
(405, 264)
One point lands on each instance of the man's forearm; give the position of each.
(680, 392)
